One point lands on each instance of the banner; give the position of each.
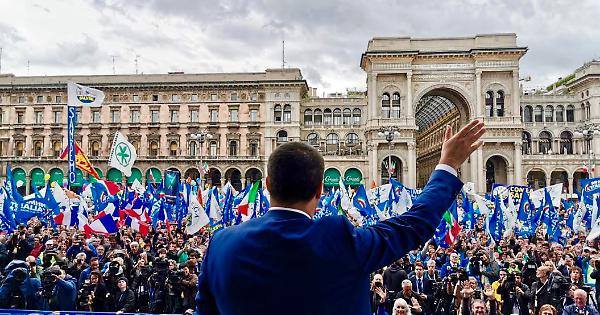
(71, 123)
(79, 95)
(515, 191)
(171, 184)
(122, 154)
(590, 190)
(81, 161)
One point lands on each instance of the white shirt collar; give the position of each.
(292, 210)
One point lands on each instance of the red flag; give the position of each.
(81, 161)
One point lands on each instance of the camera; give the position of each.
(48, 279)
(175, 276)
(458, 274)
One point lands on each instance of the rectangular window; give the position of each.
(214, 115)
(57, 117)
(21, 99)
(253, 115)
(286, 95)
(40, 99)
(233, 115)
(154, 116)
(96, 116)
(1, 118)
(194, 97)
(194, 116)
(39, 117)
(78, 115)
(115, 98)
(174, 114)
(155, 98)
(234, 97)
(253, 96)
(136, 98)
(213, 97)
(20, 117)
(58, 99)
(135, 116)
(175, 98)
(115, 116)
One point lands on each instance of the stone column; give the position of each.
(409, 101)
(372, 96)
(518, 163)
(510, 175)
(412, 165)
(374, 166)
(47, 150)
(516, 93)
(477, 93)
(480, 171)
(570, 181)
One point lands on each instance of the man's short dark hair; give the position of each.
(295, 172)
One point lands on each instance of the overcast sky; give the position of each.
(323, 38)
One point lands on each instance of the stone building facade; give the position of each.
(233, 121)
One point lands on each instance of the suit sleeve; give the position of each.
(381, 244)
(205, 301)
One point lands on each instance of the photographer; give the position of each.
(379, 299)
(190, 287)
(59, 290)
(470, 306)
(77, 266)
(448, 290)
(81, 246)
(514, 295)
(18, 290)
(125, 299)
(551, 288)
(139, 284)
(93, 295)
(158, 286)
(111, 277)
(174, 299)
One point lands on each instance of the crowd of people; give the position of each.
(516, 275)
(62, 269)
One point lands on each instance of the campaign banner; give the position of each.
(71, 123)
(590, 190)
(514, 191)
(171, 184)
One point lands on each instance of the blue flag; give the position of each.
(360, 201)
(496, 224)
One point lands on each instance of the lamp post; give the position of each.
(389, 133)
(201, 136)
(588, 133)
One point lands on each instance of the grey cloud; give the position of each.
(84, 53)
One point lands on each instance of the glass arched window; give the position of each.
(318, 117)
(56, 148)
(526, 138)
(38, 148)
(528, 114)
(327, 117)
(560, 113)
(282, 136)
(566, 142)
(233, 148)
(395, 105)
(192, 148)
(538, 113)
(549, 114)
(19, 148)
(489, 103)
(545, 142)
(313, 139)
(308, 117)
(347, 116)
(333, 138)
(356, 116)
(351, 138)
(570, 113)
(500, 103)
(212, 148)
(385, 105)
(173, 148)
(153, 148)
(95, 148)
(287, 113)
(277, 113)
(337, 117)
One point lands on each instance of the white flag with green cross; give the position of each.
(122, 154)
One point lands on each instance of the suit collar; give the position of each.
(288, 212)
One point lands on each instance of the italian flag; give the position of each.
(451, 219)
(249, 200)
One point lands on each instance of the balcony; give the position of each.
(233, 124)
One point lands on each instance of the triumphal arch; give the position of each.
(418, 86)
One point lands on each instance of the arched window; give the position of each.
(500, 103)
(136, 145)
(153, 148)
(277, 113)
(570, 113)
(566, 142)
(538, 113)
(549, 114)
(385, 105)
(337, 117)
(327, 117)
(560, 113)
(356, 116)
(395, 105)
(173, 148)
(38, 148)
(212, 148)
(282, 136)
(351, 138)
(192, 148)
(287, 113)
(233, 148)
(56, 148)
(347, 116)
(333, 138)
(545, 142)
(313, 139)
(19, 148)
(489, 103)
(528, 114)
(318, 117)
(95, 151)
(526, 138)
(308, 117)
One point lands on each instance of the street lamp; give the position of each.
(389, 133)
(588, 133)
(201, 136)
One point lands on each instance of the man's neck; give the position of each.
(301, 206)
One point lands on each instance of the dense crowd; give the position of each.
(476, 275)
(62, 269)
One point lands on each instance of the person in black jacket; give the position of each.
(515, 295)
(125, 300)
(549, 289)
(393, 277)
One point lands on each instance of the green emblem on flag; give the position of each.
(123, 154)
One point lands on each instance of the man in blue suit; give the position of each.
(286, 263)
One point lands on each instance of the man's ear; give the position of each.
(319, 191)
(268, 183)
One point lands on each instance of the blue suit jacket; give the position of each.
(286, 263)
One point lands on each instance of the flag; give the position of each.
(197, 217)
(122, 154)
(246, 207)
(104, 225)
(72, 216)
(81, 160)
(361, 203)
(79, 95)
(524, 216)
(468, 216)
(595, 231)
(141, 227)
(450, 217)
(496, 221)
(440, 234)
(105, 186)
(212, 206)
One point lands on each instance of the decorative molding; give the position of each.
(444, 66)
(390, 66)
(443, 77)
(496, 63)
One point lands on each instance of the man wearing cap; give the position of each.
(125, 300)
